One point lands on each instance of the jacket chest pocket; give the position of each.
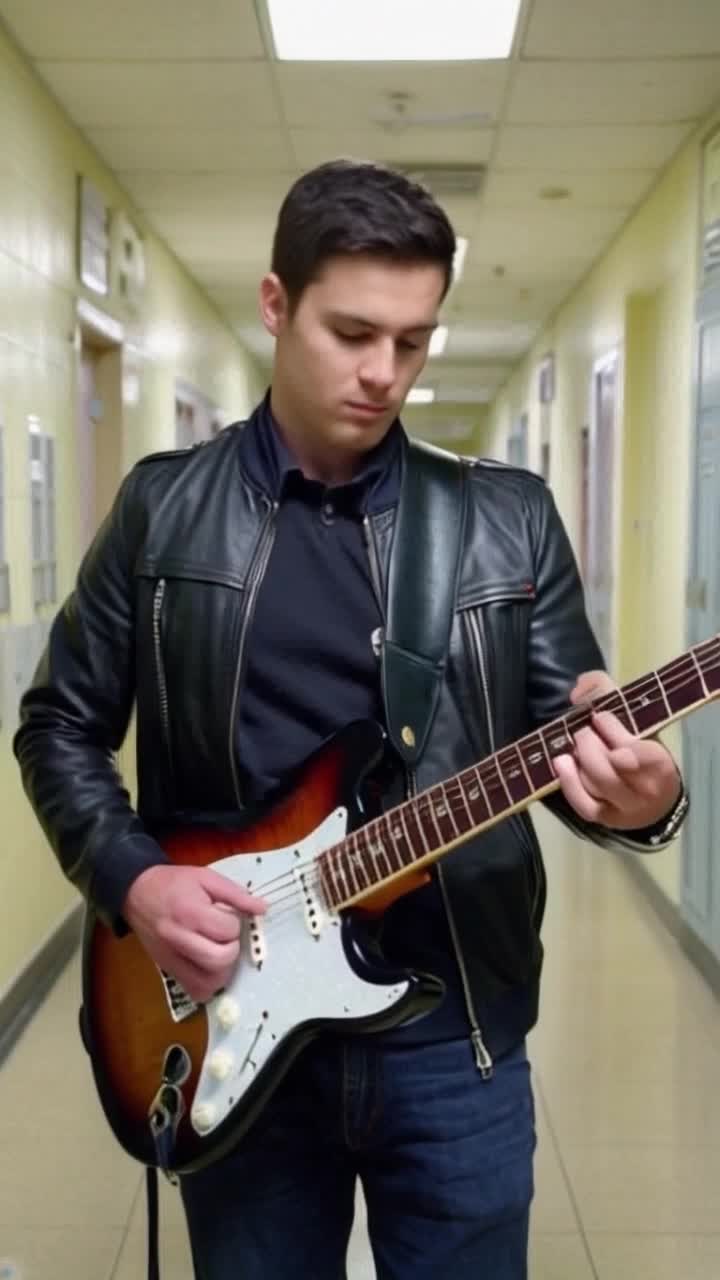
(494, 623)
(187, 643)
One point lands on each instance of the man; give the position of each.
(238, 592)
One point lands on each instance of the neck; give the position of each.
(328, 466)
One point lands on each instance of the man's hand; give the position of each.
(617, 780)
(188, 920)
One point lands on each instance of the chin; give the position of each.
(362, 435)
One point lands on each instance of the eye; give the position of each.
(405, 345)
(353, 338)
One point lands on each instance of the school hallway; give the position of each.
(626, 1065)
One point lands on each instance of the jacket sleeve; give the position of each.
(562, 646)
(75, 716)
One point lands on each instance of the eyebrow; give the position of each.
(344, 317)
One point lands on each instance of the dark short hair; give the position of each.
(345, 208)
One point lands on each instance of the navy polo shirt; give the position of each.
(312, 667)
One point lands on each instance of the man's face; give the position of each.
(350, 352)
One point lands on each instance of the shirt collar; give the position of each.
(273, 468)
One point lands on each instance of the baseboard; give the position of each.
(21, 1000)
(669, 913)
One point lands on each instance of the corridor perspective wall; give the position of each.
(176, 334)
(639, 299)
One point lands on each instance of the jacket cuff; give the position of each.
(662, 832)
(122, 862)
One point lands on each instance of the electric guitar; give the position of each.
(181, 1083)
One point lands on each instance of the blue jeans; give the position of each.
(445, 1161)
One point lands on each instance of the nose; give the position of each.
(377, 371)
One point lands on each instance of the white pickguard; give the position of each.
(292, 969)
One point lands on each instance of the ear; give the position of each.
(273, 301)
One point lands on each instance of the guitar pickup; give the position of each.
(314, 912)
(258, 948)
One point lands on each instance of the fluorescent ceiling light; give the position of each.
(459, 258)
(421, 395)
(438, 342)
(392, 30)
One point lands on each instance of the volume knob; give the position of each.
(220, 1064)
(227, 1012)
(203, 1116)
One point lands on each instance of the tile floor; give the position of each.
(627, 1074)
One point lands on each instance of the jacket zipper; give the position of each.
(374, 559)
(483, 1061)
(158, 601)
(257, 574)
(476, 632)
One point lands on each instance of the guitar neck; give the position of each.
(421, 830)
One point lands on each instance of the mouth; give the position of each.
(364, 410)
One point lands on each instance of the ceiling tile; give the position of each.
(243, 238)
(479, 342)
(192, 150)
(164, 93)
(610, 188)
(446, 146)
(547, 241)
(312, 94)
(588, 147)
(249, 190)
(613, 92)
(135, 29)
(622, 29)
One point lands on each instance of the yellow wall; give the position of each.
(455, 427)
(639, 298)
(178, 334)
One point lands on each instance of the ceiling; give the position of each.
(206, 132)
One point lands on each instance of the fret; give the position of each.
(463, 796)
(415, 814)
(516, 781)
(478, 791)
(397, 832)
(444, 809)
(682, 685)
(410, 852)
(335, 858)
(560, 741)
(504, 797)
(709, 658)
(537, 762)
(429, 808)
(643, 700)
(328, 879)
(663, 694)
(376, 851)
(631, 723)
(700, 672)
(352, 864)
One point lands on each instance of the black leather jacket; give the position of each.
(160, 616)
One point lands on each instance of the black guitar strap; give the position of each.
(422, 590)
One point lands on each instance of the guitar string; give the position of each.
(424, 806)
(491, 777)
(287, 899)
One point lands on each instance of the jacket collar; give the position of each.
(271, 467)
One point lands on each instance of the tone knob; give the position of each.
(203, 1116)
(227, 1012)
(220, 1064)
